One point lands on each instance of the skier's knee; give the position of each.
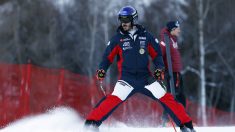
(156, 89)
(122, 89)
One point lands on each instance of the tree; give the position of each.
(210, 37)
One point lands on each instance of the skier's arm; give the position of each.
(155, 53)
(109, 55)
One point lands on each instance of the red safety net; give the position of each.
(27, 89)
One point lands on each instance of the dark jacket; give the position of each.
(132, 54)
(175, 54)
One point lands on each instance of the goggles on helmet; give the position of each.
(125, 19)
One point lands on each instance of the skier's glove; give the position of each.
(100, 74)
(159, 74)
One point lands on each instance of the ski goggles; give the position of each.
(125, 19)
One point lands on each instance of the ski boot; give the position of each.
(185, 129)
(91, 126)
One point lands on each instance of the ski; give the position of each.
(169, 64)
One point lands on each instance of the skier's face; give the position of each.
(126, 26)
(176, 32)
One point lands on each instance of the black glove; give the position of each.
(159, 74)
(100, 74)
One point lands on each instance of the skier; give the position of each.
(169, 36)
(133, 44)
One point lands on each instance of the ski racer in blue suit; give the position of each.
(133, 45)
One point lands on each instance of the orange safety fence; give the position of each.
(26, 89)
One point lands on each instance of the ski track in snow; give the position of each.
(67, 120)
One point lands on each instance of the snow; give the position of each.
(67, 120)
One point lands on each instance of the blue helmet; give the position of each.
(128, 14)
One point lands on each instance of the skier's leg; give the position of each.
(165, 116)
(122, 90)
(179, 93)
(175, 109)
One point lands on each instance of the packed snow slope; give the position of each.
(67, 120)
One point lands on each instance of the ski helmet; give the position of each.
(128, 14)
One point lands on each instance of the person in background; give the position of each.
(171, 32)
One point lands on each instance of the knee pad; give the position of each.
(156, 89)
(122, 89)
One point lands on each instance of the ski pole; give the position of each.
(102, 88)
(172, 123)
